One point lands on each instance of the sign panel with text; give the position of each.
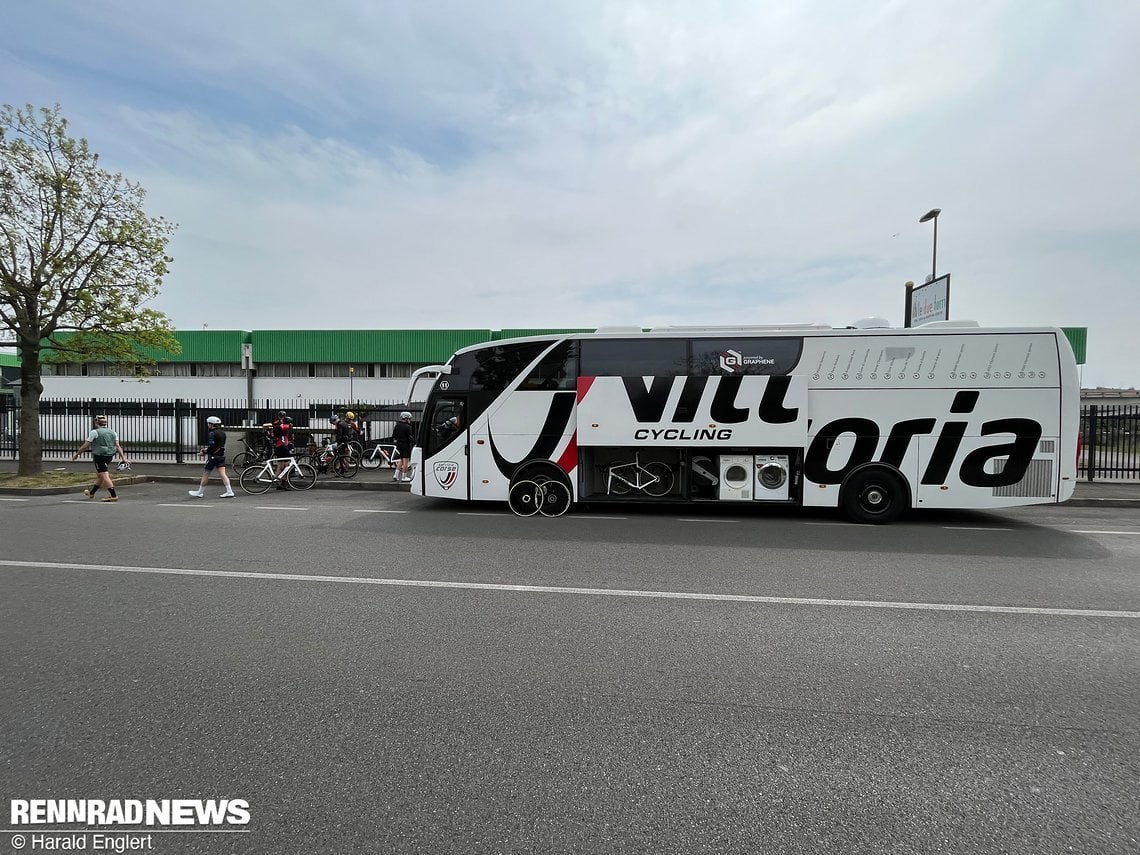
(928, 302)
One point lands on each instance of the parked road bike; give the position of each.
(293, 475)
(653, 479)
(251, 453)
(381, 454)
(329, 458)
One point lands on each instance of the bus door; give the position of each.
(446, 454)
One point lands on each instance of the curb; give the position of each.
(123, 481)
(339, 484)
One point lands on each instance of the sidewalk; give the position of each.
(191, 473)
(1104, 494)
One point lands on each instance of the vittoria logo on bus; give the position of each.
(734, 360)
(446, 473)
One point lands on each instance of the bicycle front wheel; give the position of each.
(662, 476)
(618, 486)
(345, 467)
(256, 479)
(301, 478)
(241, 461)
(372, 458)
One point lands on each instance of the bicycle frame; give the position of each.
(638, 471)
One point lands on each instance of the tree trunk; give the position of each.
(31, 447)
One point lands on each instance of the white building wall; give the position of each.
(366, 389)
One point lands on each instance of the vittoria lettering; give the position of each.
(648, 402)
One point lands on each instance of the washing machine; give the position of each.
(736, 477)
(772, 482)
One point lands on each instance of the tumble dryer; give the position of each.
(736, 477)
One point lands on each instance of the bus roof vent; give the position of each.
(871, 324)
(618, 330)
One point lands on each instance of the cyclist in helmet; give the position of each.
(281, 430)
(214, 450)
(405, 437)
(344, 432)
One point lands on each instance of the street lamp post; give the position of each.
(932, 214)
(351, 373)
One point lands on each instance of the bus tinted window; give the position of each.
(492, 369)
(745, 355)
(557, 370)
(660, 357)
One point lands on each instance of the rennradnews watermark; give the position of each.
(118, 825)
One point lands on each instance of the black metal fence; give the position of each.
(1110, 448)
(164, 431)
(172, 430)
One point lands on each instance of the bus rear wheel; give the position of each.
(874, 494)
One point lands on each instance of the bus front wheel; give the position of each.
(874, 494)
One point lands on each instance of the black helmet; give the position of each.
(287, 419)
(281, 414)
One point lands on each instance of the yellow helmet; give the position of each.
(350, 415)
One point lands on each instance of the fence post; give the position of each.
(178, 430)
(1090, 443)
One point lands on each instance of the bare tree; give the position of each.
(79, 259)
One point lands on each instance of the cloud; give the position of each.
(583, 163)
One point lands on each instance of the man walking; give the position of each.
(104, 444)
(215, 451)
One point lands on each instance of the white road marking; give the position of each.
(277, 508)
(1094, 531)
(375, 511)
(591, 592)
(198, 504)
(975, 528)
(6, 499)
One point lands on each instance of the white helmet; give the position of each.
(213, 420)
(405, 416)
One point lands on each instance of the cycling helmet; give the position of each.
(281, 414)
(213, 420)
(287, 419)
(350, 415)
(335, 418)
(405, 416)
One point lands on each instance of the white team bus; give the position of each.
(869, 419)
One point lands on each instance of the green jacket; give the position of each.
(103, 441)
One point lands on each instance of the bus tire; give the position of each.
(874, 494)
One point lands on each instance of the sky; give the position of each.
(362, 164)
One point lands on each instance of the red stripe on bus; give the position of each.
(584, 384)
(569, 458)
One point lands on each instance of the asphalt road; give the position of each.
(374, 672)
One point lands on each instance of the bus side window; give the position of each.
(557, 370)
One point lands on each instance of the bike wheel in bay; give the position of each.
(664, 475)
(241, 461)
(525, 498)
(301, 478)
(554, 498)
(256, 480)
(372, 458)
